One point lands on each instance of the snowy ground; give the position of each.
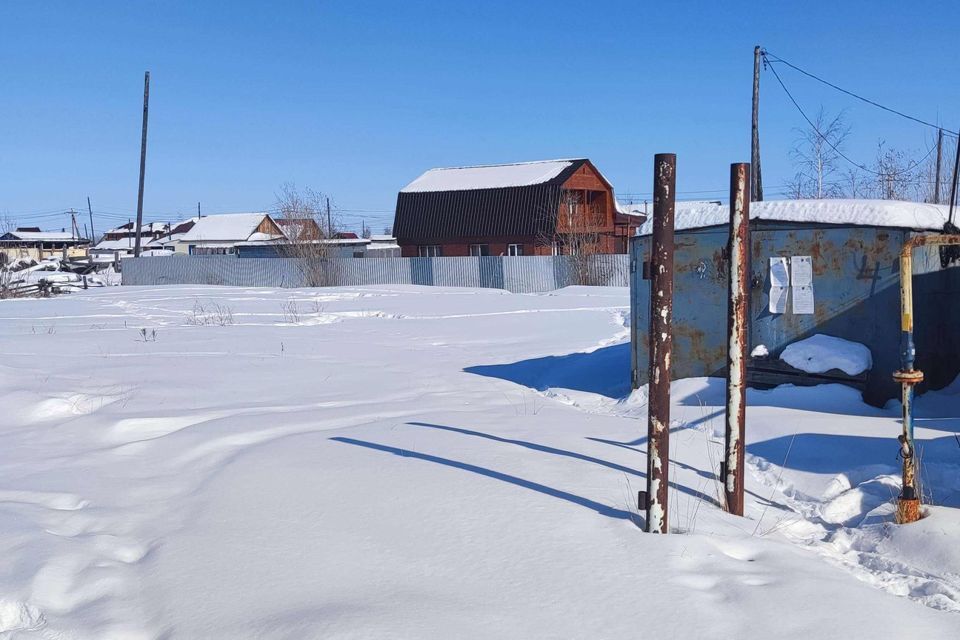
(403, 462)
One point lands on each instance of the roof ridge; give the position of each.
(506, 164)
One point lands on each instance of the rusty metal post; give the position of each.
(661, 341)
(908, 503)
(737, 318)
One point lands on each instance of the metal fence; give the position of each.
(520, 274)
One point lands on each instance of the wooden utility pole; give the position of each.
(936, 179)
(737, 319)
(198, 211)
(756, 183)
(143, 163)
(329, 224)
(953, 183)
(661, 341)
(90, 211)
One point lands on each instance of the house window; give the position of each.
(479, 250)
(514, 249)
(429, 251)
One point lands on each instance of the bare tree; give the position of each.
(816, 155)
(578, 236)
(7, 223)
(856, 186)
(796, 187)
(303, 215)
(897, 174)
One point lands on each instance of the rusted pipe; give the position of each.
(737, 318)
(908, 503)
(661, 341)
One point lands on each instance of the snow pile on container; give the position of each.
(820, 353)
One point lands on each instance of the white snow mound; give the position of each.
(820, 353)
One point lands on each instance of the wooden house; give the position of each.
(530, 208)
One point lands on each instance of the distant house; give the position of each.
(31, 243)
(383, 247)
(222, 234)
(170, 240)
(300, 229)
(527, 208)
(148, 232)
(155, 237)
(322, 248)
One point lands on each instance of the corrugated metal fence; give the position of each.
(526, 274)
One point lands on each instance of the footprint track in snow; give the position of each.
(838, 526)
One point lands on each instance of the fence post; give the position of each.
(661, 341)
(739, 253)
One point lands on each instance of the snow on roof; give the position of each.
(177, 231)
(492, 176)
(224, 227)
(165, 240)
(869, 213)
(115, 245)
(149, 227)
(631, 209)
(265, 237)
(47, 236)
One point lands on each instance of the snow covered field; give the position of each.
(404, 462)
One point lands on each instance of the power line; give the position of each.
(816, 129)
(766, 56)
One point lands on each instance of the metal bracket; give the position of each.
(642, 500)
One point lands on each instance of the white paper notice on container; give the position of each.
(802, 299)
(779, 276)
(801, 275)
(778, 299)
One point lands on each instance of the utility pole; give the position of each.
(737, 319)
(953, 184)
(143, 162)
(329, 224)
(936, 179)
(756, 182)
(661, 341)
(74, 229)
(198, 211)
(90, 211)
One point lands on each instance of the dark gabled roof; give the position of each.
(491, 200)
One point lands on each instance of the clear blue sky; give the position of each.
(357, 98)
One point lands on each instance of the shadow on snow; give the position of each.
(604, 371)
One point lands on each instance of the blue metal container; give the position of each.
(855, 281)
